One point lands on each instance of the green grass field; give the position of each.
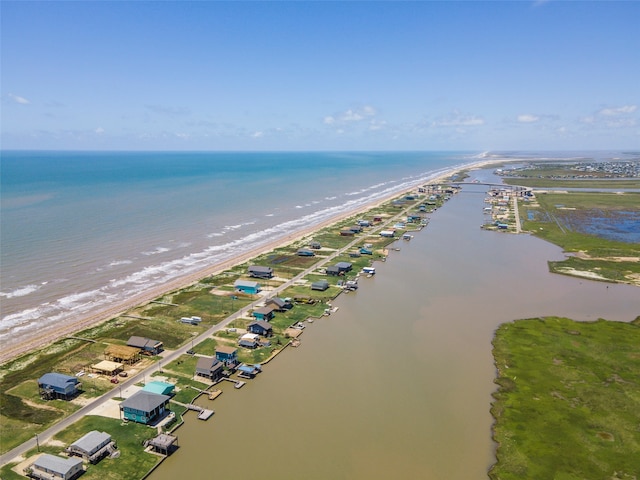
(568, 403)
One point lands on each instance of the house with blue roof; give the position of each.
(58, 386)
(248, 371)
(161, 388)
(247, 286)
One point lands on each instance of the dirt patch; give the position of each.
(606, 436)
(40, 406)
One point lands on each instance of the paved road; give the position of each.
(169, 356)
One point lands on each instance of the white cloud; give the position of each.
(351, 115)
(257, 134)
(614, 112)
(458, 120)
(377, 124)
(99, 130)
(19, 99)
(528, 118)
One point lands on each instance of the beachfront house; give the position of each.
(258, 271)
(52, 467)
(264, 313)
(144, 407)
(92, 447)
(260, 327)
(388, 233)
(347, 233)
(146, 345)
(58, 386)
(227, 355)
(320, 285)
(305, 252)
(315, 245)
(210, 367)
(247, 286)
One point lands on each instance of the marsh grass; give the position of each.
(568, 183)
(558, 218)
(568, 402)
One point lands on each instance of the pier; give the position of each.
(212, 395)
(237, 383)
(203, 413)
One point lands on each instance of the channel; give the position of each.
(397, 383)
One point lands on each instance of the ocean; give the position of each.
(82, 231)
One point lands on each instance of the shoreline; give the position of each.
(13, 350)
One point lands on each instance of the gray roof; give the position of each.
(208, 364)
(277, 301)
(56, 464)
(91, 441)
(246, 283)
(343, 265)
(144, 401)
(57, 380)
(266, 310)
(262, 323)
(260, 268)
(320, 285)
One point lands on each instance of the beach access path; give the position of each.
(169, 356)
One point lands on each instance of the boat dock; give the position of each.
(203, 413)
(212, 395)
(238, 383)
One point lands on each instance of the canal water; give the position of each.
(397, 383)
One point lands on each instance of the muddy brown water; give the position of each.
(397, 383)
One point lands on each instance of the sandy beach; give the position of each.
(15, 347)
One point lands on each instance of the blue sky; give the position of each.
(328, 75)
